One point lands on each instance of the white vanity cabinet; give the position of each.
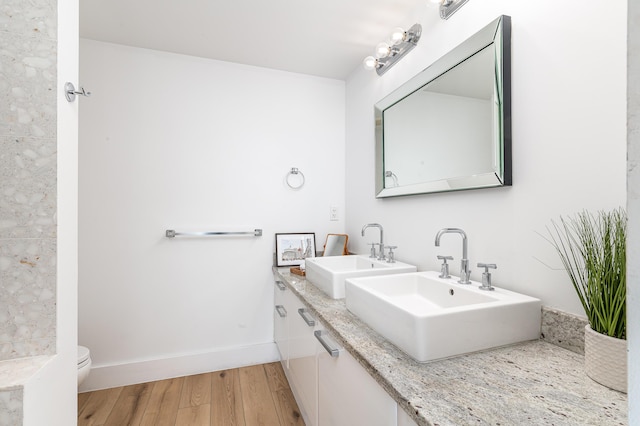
(330, 386)
(293, 333)
(280, 322)
(302, 361)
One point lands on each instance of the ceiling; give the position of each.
(327, 38)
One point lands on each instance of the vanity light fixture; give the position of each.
(389, 52)
(449, 7)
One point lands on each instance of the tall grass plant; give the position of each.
(592, 248)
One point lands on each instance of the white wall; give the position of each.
(633, 206)
(568, 105)
(177, 142)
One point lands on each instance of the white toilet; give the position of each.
(84, 363)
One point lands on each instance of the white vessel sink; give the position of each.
(431, 318)
(328, 273)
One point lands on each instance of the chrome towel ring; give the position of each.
(295, 178)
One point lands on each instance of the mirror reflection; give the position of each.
(448, 128)
(336, 245)
(425, 115)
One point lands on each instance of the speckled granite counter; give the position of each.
(524, 384)
(14, 374)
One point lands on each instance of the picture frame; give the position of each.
(293, 248)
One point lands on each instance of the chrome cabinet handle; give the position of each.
(281, 285)
(281, 311)
(306, 316)
(321, 336)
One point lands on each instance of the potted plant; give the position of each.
(592, 248)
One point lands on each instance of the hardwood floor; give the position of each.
(248, 396)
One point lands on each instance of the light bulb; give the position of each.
(382, 50)
(397, 36)
(369, 63)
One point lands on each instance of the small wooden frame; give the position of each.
(336, 245)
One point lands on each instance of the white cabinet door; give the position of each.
(302, 360)
(347, 394)
(331, 390)
(280, 322)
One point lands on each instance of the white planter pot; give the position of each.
(605, 359)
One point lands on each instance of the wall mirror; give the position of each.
(449, 127)
(336, 245)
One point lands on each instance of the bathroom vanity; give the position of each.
(329, 384)
(372, 382)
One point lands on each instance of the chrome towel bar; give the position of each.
(170, 233)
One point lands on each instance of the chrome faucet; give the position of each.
(381, 243)
(465, 271)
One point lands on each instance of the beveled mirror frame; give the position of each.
(497, 33)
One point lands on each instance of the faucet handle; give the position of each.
(373, 250)
(487, 266)
(486, 275)
(444, 269)
(391, 258)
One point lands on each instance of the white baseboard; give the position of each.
(110, 376)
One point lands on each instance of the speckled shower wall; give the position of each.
(28, 62)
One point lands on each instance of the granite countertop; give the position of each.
(14, 373)
(528, 383)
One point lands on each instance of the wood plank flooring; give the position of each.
(248, 396)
